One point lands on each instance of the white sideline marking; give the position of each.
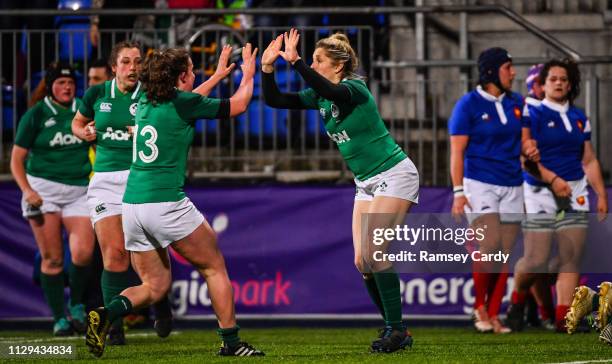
(586, 361)
(24, 340)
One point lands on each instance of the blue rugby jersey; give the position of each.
(493, 125)
(560, 131)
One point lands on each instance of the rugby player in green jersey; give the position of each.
(156, 212)
(112, 104)
(387, 181)
(51, 167)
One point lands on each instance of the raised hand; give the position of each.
(223, 70)
(271, 53)
(248, 61)
(291, 41)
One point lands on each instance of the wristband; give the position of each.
(553, 180)
(458, 191)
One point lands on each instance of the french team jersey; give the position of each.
(493, 125)
(560, 131)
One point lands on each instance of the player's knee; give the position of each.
(52, 263)
(159, 288)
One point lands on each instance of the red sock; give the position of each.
(545, 313)
(518, 297)
(497, 295)
(560, 317)
(481, 286)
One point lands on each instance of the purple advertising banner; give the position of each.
(288, 251)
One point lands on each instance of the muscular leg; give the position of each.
(386, 212)
(361, 207)
(48, 235)
(200, 249)
(81, 240)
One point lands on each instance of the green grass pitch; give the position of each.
(333, 345)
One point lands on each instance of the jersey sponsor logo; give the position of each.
(517, 113)
(551, 124)
(322, 112)
(62, 139)
(339, 138)
(335, 111)
(485, 117)
(115, 134)
(133, 108)
(100, 208)
(106, 107)
(50, 122)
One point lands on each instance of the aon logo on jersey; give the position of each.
(339, 138)
(64, 139)
(115, 134)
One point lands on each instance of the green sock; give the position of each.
(229, 336)
(118, 307)
(370, 284)
(78, 276)
(112, 284)
(53, 287)
(595, 302)
(387, 282)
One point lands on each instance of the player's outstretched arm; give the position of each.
(223, 70)
(241, 98)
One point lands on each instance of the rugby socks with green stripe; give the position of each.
(372, 288)
(229, 336)
(53, 288)
(118, 307)
(78, 276)
(113, 283)
(388, 285)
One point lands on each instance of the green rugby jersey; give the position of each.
(357, 129)
(163, 135)
(113, 112)
(54, 152)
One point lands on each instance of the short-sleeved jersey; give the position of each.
(357, 129)
(560, 131)
(54, 153)
(113, 112)
(163, 135)
(493, 125)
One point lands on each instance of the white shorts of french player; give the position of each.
(401, 181)
(105, 194)
(150, 226)
(57, 197)
(547, 213)
(486, 198)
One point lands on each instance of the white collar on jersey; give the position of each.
(555, 106)
(498, 103)
(487, 96)
(532, 101)
(49, 104)
(113, 83)
(562, 110)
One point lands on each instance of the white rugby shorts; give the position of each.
(105, 194)
(57, 197)
(150, 226)
(486, 198)
(401, 181)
